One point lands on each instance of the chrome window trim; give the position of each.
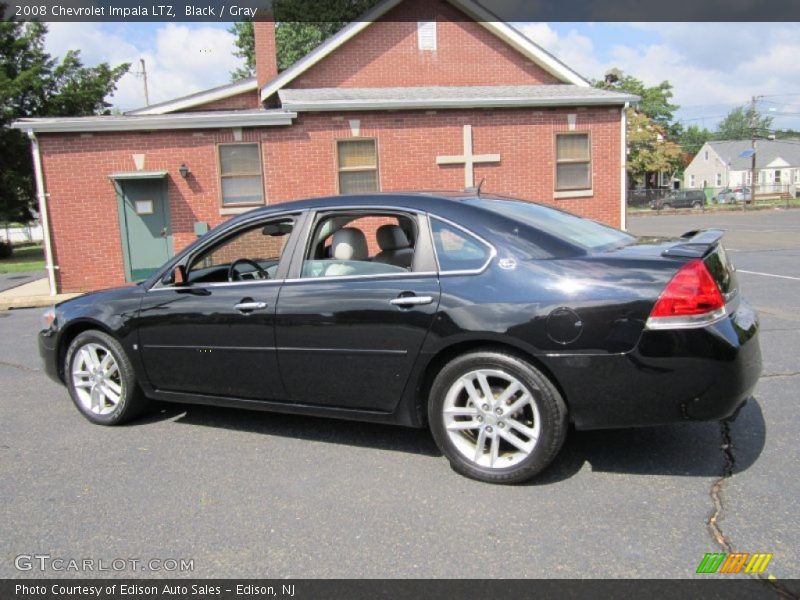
(489, 259)
(215, 284)
(686, 322)
(361, 277)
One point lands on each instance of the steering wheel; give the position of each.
(258, 272)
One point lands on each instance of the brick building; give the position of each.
(418, 95)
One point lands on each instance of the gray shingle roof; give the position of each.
(322, 99)
(766, 152)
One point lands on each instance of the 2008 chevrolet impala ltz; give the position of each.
(494, 322)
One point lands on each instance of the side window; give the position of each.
(248, 254)
(361, 244)
(456, 250)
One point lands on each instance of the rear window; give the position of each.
(584, 233)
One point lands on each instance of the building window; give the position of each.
(691, 181)
(777, 177)
(797, 175)
(705, 156)
(240, 172)
(426, 35)
(573, 162)
(357, 162)
(748, 177)
(718, 181)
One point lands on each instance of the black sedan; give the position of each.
(494, 322)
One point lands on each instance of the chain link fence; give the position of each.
(714, 198)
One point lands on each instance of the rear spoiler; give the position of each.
(695, 244)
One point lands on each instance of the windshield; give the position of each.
(583, 233)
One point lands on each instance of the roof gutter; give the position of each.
(155, 122)
(41, 195)
(412, 104)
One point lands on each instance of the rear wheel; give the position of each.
(101, 380)
(666, 205)
(496, 417)
(697, 205)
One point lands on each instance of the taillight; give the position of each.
(691, 299)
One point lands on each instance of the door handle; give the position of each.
(246, 307)
(411, 300)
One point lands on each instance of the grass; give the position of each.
(26, 257)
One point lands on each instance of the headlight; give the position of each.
(48, 318)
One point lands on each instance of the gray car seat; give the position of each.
(395, 248)
(348, 244)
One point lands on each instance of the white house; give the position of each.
(721, 164)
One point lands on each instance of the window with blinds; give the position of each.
(573, 161)
(358, 166)
(240, 171)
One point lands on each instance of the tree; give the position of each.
(742, 122)
(300, 26)
(655, 100)
(648, 149)
(692, 138)
(34, 84)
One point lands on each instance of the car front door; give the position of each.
(349, 326)
(213, 334)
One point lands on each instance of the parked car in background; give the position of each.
(742, 194)
(680, 199)
(725, 196)
(493, 322)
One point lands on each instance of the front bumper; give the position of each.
(672, 376)
(48, 350)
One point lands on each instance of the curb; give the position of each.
(33, 301)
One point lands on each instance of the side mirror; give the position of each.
(176, 276)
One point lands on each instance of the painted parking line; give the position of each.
(768, 274)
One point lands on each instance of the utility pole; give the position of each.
(753, 122)
(144, 77)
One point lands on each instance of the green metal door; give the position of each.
(145, 226)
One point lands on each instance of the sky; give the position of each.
(713, 67)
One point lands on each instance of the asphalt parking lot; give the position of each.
(262, 495)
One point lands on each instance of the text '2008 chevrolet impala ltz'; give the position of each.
(494, 322)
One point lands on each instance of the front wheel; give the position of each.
(496, 417)
(101, 380)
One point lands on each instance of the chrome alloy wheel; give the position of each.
(491, 418)
(96, 379)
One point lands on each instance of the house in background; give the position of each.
(721, 165)
(417, 95)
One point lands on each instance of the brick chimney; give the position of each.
(266, 60)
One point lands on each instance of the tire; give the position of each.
(460, 419)
(98, 372)
(697, 205)
(666, 205)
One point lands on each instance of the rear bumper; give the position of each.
(48, 352)
(672, 376)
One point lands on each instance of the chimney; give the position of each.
(266, 60)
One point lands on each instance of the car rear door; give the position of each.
(351, 340)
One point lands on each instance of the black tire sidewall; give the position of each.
(123, 410)
(552, 413)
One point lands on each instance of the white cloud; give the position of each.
(180, 59)
(711, 65)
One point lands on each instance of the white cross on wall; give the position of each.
(468, 159)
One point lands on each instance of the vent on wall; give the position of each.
(426, 35)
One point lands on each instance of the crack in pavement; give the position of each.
(716, 515)
(20, 367)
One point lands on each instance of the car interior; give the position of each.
(361, 244)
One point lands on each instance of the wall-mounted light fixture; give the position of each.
(183, 170)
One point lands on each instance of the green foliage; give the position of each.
(692, 138)
(648, 149)
(34, 84)
(300, 26)
(655, 100)
(742, 122)
(245, 48)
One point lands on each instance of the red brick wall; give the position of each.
(300, 162)
(243, 101)
(386, 54)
